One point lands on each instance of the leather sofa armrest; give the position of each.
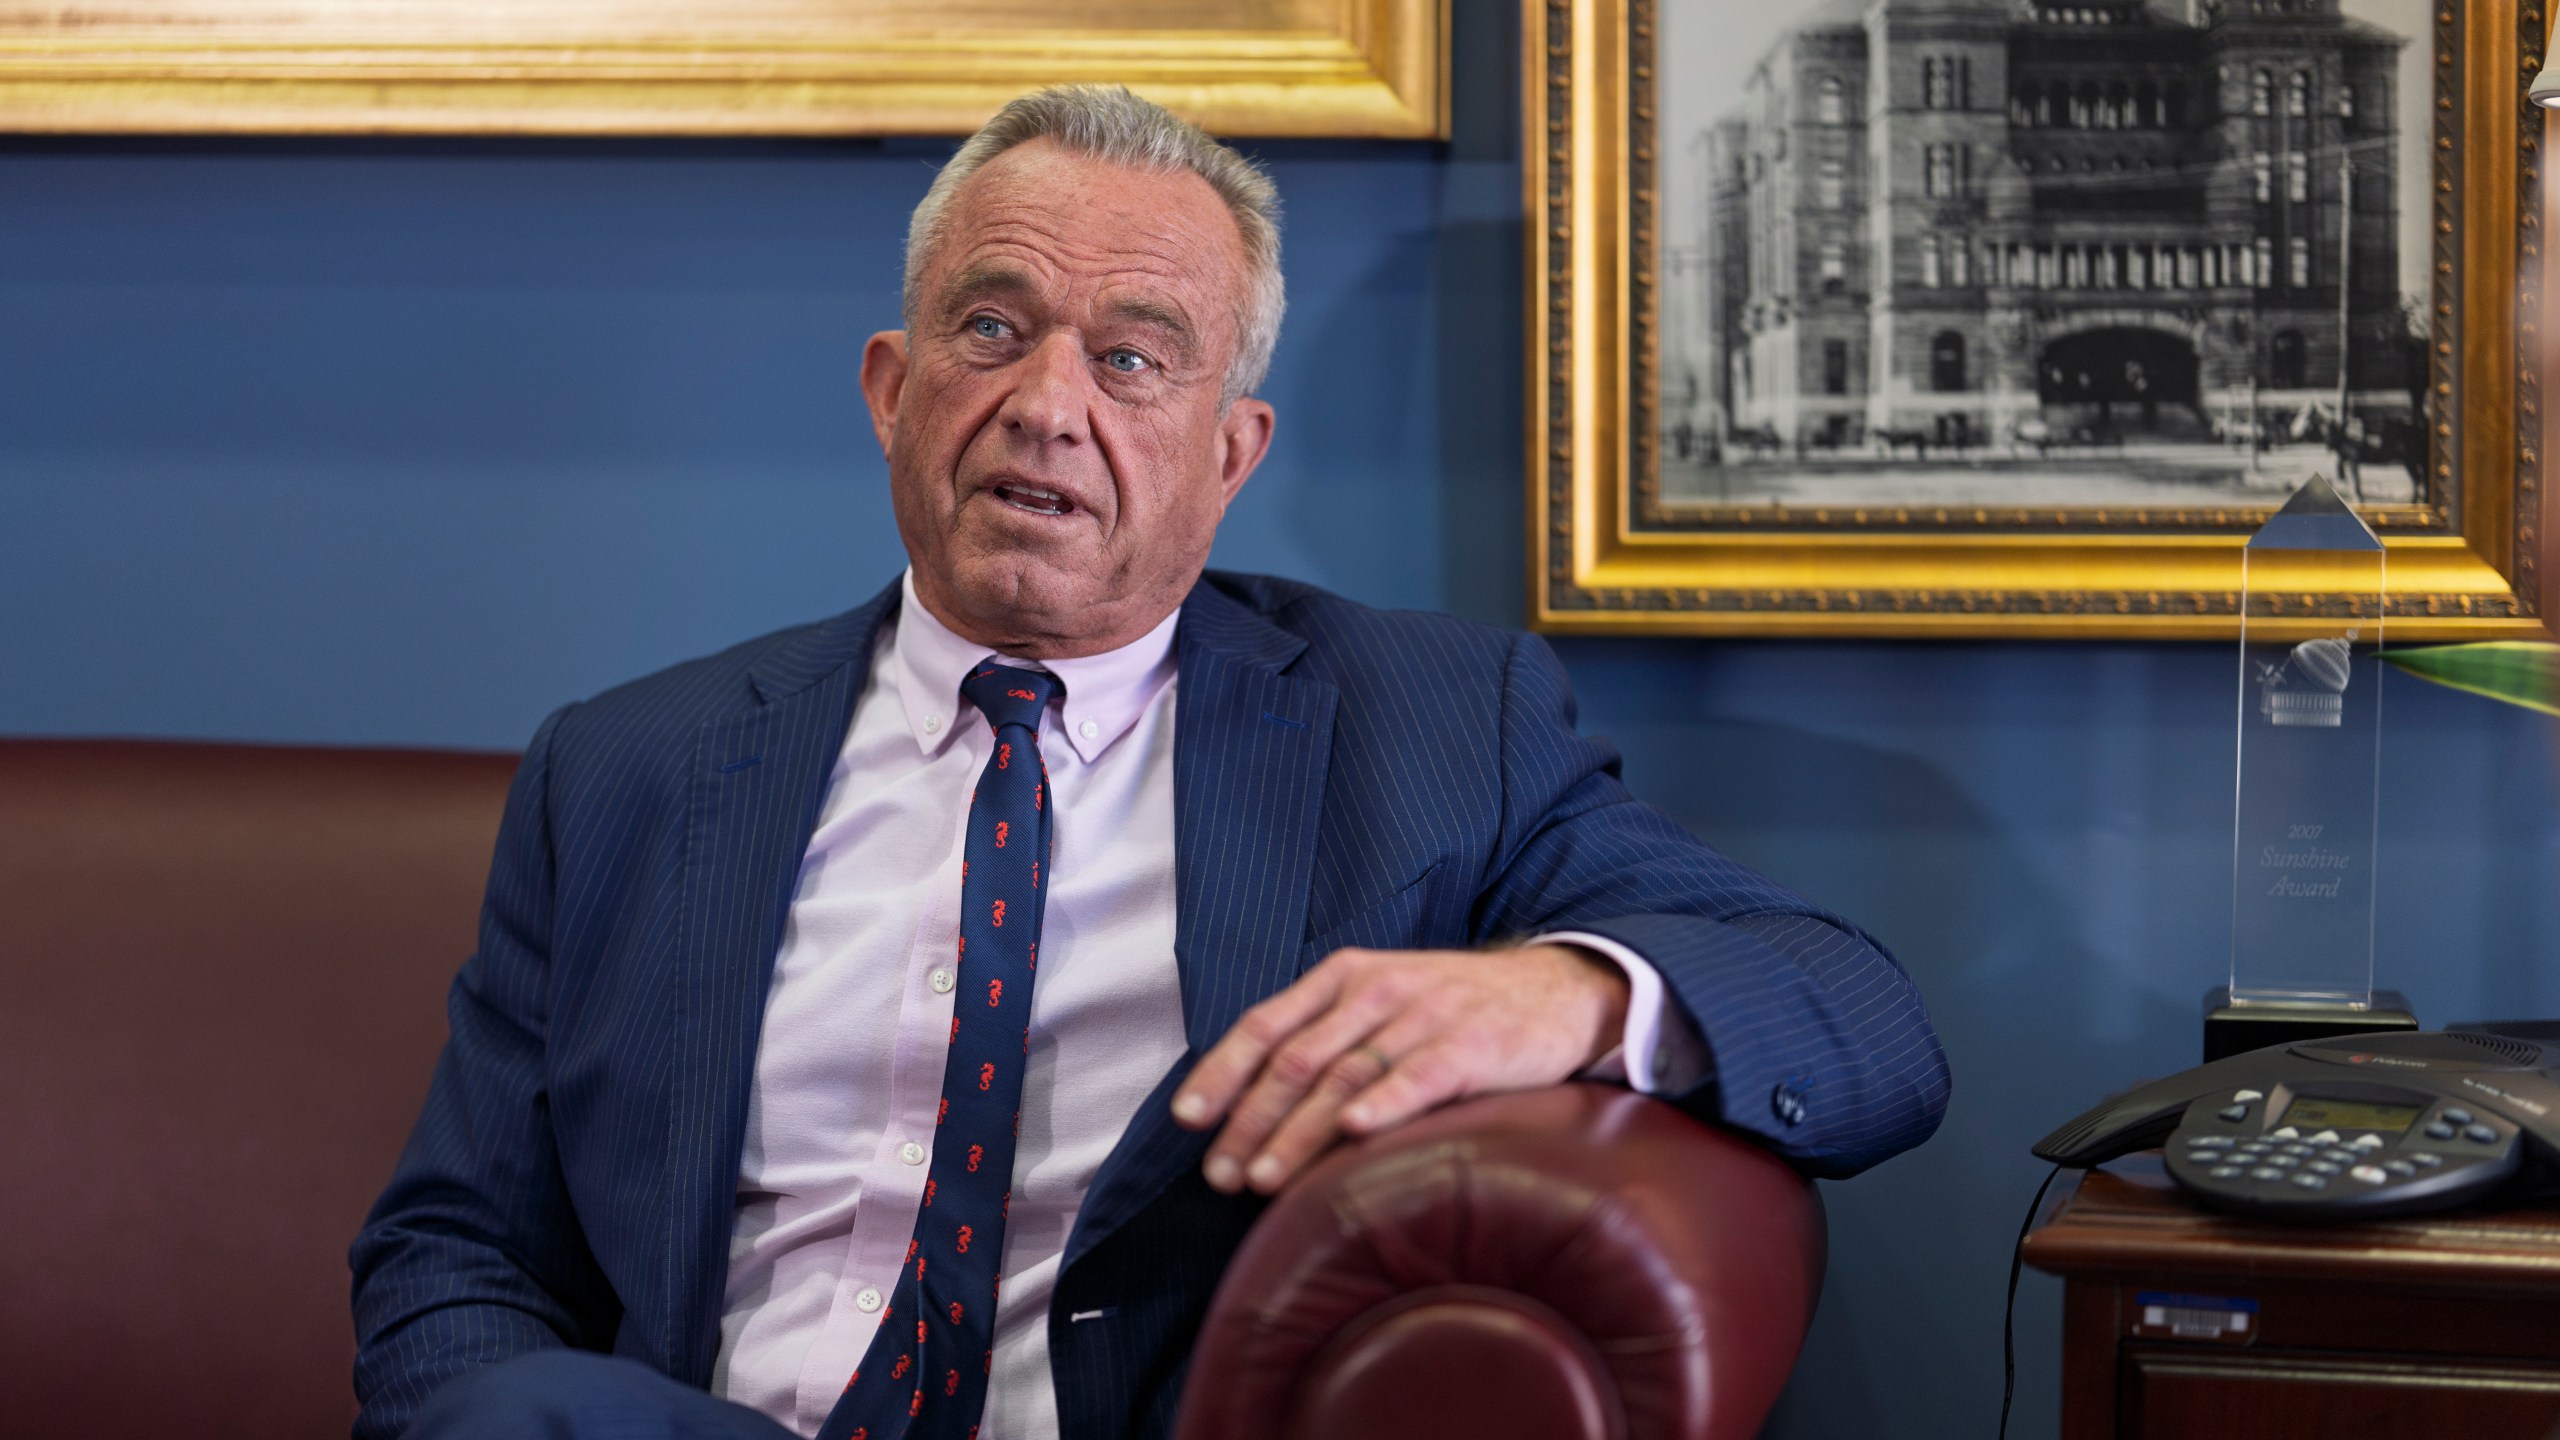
(1577, 1262)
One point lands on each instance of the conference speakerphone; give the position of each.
(2348, 1128)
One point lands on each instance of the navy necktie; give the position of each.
(925, 1375)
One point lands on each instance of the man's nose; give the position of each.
(1051, 393)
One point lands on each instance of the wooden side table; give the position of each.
(2180, 1324)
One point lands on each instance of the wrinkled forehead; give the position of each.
(1073, 228)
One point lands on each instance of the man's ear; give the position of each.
(1244, 437)
(884, 381)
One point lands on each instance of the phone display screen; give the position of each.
(2308, 1111)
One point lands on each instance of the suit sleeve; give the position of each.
(1816, 1041)
(472, 1255)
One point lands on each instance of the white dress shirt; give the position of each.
(840, 1121)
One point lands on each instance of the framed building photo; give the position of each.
(709, 67)
(1977, 317)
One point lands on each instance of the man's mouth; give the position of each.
(1033, 499)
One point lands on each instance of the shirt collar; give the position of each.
(1106, 693)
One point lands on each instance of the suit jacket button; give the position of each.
(1787, 1103)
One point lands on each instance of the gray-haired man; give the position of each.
(889, 1027)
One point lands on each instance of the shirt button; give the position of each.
(941, 981)
(867, 1301)
(932, 725)
(912, 1153)
(1088, 729)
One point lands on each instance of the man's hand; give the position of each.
(1371, 1038)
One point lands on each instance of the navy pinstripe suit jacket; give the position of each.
(1342, 776)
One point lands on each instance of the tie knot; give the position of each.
(1007, 696)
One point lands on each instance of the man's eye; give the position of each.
(986, 327)
(1127, 362)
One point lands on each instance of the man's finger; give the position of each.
(1214, 1083)
(1309, 1128)
(1410, 1030)
(1292, 1069)
(1432, 1075)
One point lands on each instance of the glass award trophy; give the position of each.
(2305, 802)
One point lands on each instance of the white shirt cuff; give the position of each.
(1660, 1052)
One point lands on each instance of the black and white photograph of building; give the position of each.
(2011, 252)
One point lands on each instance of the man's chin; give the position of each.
(1028, 595)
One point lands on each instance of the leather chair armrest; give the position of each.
(1578, 1262)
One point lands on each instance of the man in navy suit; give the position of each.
(891, 1026)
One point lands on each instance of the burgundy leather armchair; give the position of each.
(221, 991)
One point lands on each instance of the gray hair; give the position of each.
(1109, 123)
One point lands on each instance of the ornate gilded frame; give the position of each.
(1601, 560)
(1362, 68)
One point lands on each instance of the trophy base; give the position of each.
(2231, 1029)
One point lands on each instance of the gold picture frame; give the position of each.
(1346, 68)
(1608, 554)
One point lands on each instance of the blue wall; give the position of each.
(374, 442)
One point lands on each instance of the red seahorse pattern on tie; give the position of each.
(893, 1394)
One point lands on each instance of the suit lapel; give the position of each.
(758, 783)
(1250, 753)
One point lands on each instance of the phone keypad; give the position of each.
(2285, 1164)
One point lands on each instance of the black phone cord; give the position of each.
(2009, 1316)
